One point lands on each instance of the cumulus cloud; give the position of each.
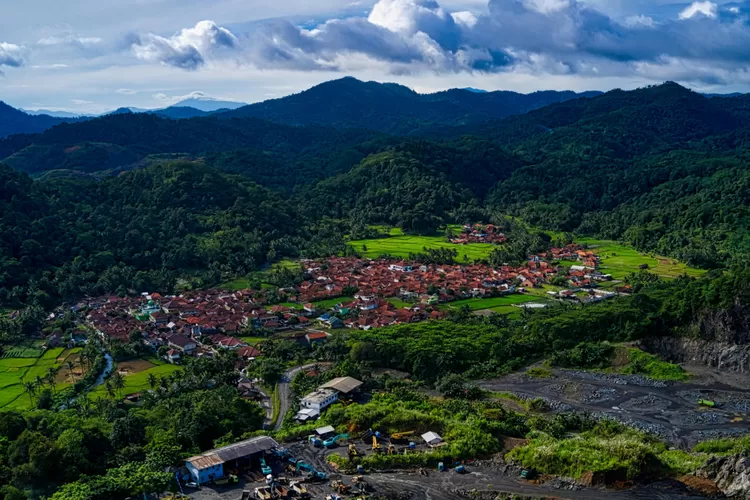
(11, 55)
(708, 9)
(187, 49)
(535, 36)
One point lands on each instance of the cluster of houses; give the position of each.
(422, 284)
(199, 322)
(196, 323)
(479, 233)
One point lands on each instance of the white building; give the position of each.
(320, 399)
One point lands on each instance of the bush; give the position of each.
(584, 355)
(627, 453)
(651, 366)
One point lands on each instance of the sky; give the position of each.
(89, 56)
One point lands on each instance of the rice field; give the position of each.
(15, 372)
(620, 260)
(399, 244)
(136, 378)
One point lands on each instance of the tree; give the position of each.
(118, 382)
(152, 381)
(110, 389)
(30, 388)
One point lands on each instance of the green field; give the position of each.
(400, 304)
(137, 382)
(621, 260)
(329, 303)
(253, 340)
(480, 304)
(14, 372)
(399, 244)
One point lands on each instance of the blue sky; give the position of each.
(92, 56)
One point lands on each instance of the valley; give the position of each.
(550, 284)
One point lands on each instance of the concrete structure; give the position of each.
(209, 466)
(320, 399)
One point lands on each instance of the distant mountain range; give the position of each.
(343, 103)
(392, 108)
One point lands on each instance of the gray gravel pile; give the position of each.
(649, 402)
(639, 380)
(694, 418)
(602, 394)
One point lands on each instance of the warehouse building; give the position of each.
(214, 464)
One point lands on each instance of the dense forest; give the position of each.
(661, 168)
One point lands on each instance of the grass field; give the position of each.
(400, 245)
(253, 340)
(620, 260)
(14, 372)
(480, 304)
(329, 303)
(136, 380)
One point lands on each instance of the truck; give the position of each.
(707, 403)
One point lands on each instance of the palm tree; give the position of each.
(50, 377)
(110, 390)
(152, 381)
(71, 366)
(118, 382)
(30, 389)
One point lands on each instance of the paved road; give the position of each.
(285, 392)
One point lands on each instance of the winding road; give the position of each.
(285, 391)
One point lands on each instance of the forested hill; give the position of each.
(395, 109)
(663, 168)
(142, 229)
(14, 121)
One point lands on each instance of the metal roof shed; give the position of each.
(342, 384)
(432, 438)
(322, 431)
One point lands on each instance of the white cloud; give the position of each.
(69, 39)
(126, 92)
(171, 99)
(707, 8)
(639, 20)
(187, 49)
(547, 6)
(81, 102)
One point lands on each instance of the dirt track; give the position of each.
(667, 409)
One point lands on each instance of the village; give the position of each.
(372, 293)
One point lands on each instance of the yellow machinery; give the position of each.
(401, 435)
(391, 449)
(353, 450)
(375, 444)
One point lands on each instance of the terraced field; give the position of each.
(15, 372)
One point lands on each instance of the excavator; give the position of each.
(264, 468)
(352, 451)
(331, 442)
(391, 449)
(304, 466)
(375, 444)
(398, 436)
